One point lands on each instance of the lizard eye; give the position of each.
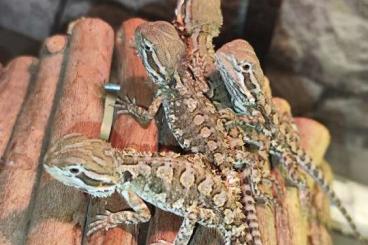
(247, 67)
(74, 170)
(146, 47)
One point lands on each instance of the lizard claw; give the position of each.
(123, 104)
(103, 221)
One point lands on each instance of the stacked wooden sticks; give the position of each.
(43, 99)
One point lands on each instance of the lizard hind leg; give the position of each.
(108, 220)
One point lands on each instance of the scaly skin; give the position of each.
(198, 23)
(243, 77)
(183, 185)
(192, 118)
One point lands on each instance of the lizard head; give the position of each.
(87, 164)
(241, 72)
(161, 50)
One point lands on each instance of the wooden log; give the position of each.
(59, 211)
(14, 82)
(137, 85)
(315, 139)
(21, 160)
(289, 218)
(127, 132)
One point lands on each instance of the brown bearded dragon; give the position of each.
(183, 185)
(243, 77)
(198, 23)
(192, 118)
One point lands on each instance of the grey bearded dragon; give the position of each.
(183, 185)
(244, 80)
(192, 118)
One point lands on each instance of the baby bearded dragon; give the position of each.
(192, 118)
(183, 185)
(198, 23)
(244, 101)
(243, 78)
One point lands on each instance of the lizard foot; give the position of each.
(123, 104)
(103, 221)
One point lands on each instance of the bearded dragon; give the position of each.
(198, 23)
(192, 118)
(244, 80)
(183, 185)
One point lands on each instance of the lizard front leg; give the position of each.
(143, 115)
(110, 220)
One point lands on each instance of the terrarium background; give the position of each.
(314, 52)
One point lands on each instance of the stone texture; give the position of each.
(323, 44)
(349, 153)
(345, 112)
(318, 62)
(301, 92)
(13, 44)
(33, 18)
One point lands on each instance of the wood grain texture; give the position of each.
(127, 132)
(14, 82)
(22, 157)
(59, 212)
(315, 139)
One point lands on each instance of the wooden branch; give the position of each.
(315, 139)
(21, 160)
(14, 81)
(137, 85)
(59, 210)
(126, 130)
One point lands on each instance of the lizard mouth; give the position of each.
(93, 182)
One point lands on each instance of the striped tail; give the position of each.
(305, 162)
(250, 210)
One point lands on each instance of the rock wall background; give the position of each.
(318, 59)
